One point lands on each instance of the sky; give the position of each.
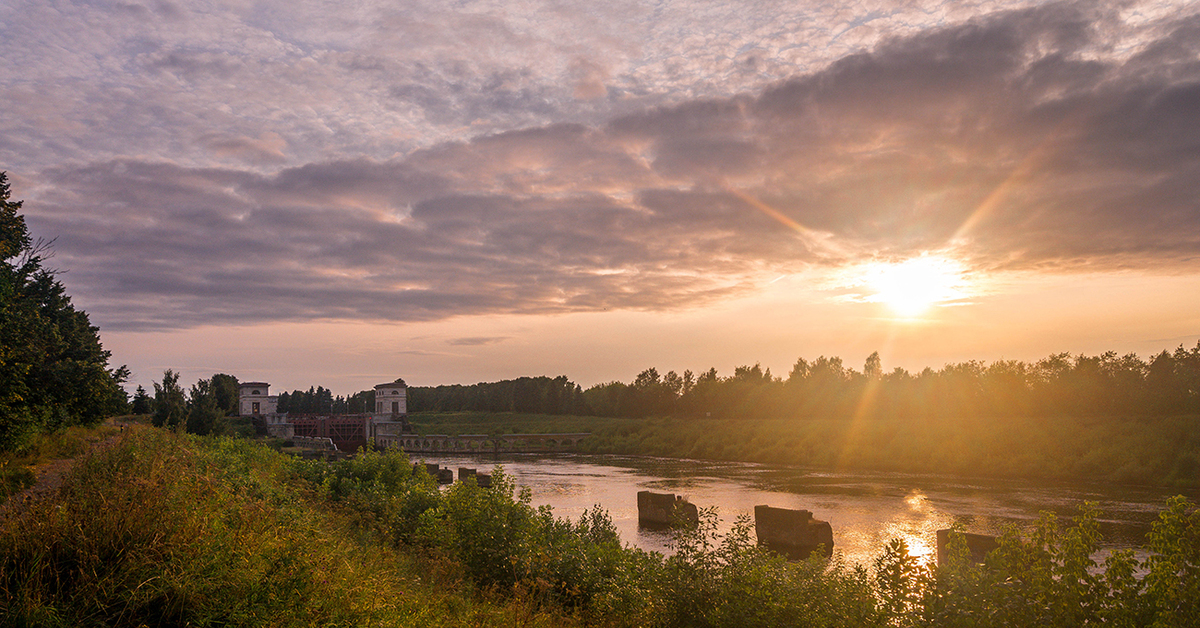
(340, 194)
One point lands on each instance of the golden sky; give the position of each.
(287, 193)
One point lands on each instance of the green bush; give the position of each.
(158, 528)
(386, 493)
(161, 529)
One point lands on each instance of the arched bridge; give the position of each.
(484, 443)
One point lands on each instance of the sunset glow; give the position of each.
(462, 193)
(909, 288)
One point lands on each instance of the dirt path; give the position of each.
(49, 475)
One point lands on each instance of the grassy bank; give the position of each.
(156, 528)
(153, 528)
(1161, 451)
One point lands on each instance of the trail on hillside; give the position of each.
(49, 475)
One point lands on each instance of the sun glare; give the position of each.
(909, 288)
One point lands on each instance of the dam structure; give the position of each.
(387, 427)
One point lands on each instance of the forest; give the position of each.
(1105, 385)
(1058, 385)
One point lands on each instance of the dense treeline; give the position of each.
(1058, 385)
(537, 395)
(222, 532)
(53, 370)
(321, 400)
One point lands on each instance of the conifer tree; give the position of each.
(53, 370)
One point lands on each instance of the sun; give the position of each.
(910, 287)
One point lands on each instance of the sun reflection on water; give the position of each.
(917, 526)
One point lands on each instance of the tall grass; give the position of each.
(16, 467)
(159, 529)
(155, 528)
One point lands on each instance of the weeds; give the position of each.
(156, 528)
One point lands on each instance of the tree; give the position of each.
(873, 368)
(203, 410)
(225, 393)
(53, 369)
(170, 407)
(142, 403)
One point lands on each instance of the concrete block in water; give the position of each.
(665, 509)
(793, 533)
(978, 544)
(443, 476)
(464, 473)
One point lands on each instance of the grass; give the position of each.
(155, 528)
(151, 527)
(18, 468)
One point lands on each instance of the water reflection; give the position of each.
(865, 510)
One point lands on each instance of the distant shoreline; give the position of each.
(1159, 452)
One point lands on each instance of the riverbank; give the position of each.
(159, 528)
(1157, 451)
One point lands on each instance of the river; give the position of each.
(866, 510)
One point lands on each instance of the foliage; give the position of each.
(320, 400)
(164, 528)
(1173, 582)
(53, 370)
(1158, 450)
(170, 406)
(542, 395)
(224, 390)
(1106, 385)
(383, 490)
(141, 403)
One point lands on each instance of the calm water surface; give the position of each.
(866, 510)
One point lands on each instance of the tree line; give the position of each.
(1060, 384)
(320, 400)
(54, 372)
(528, 395)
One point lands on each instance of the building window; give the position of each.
(255, 392)
(395, 407)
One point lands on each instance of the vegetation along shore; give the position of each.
(155, 527)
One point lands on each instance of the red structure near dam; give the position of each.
(347, 432)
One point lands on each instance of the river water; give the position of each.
(866, 510)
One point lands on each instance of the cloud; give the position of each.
(1061, 136)
(266, 148)
(476, 341)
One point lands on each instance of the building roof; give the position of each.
(253, 385)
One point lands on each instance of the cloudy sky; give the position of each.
(339, 194)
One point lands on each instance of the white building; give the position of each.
(391, 401)
(390, 421)
(253, 398)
